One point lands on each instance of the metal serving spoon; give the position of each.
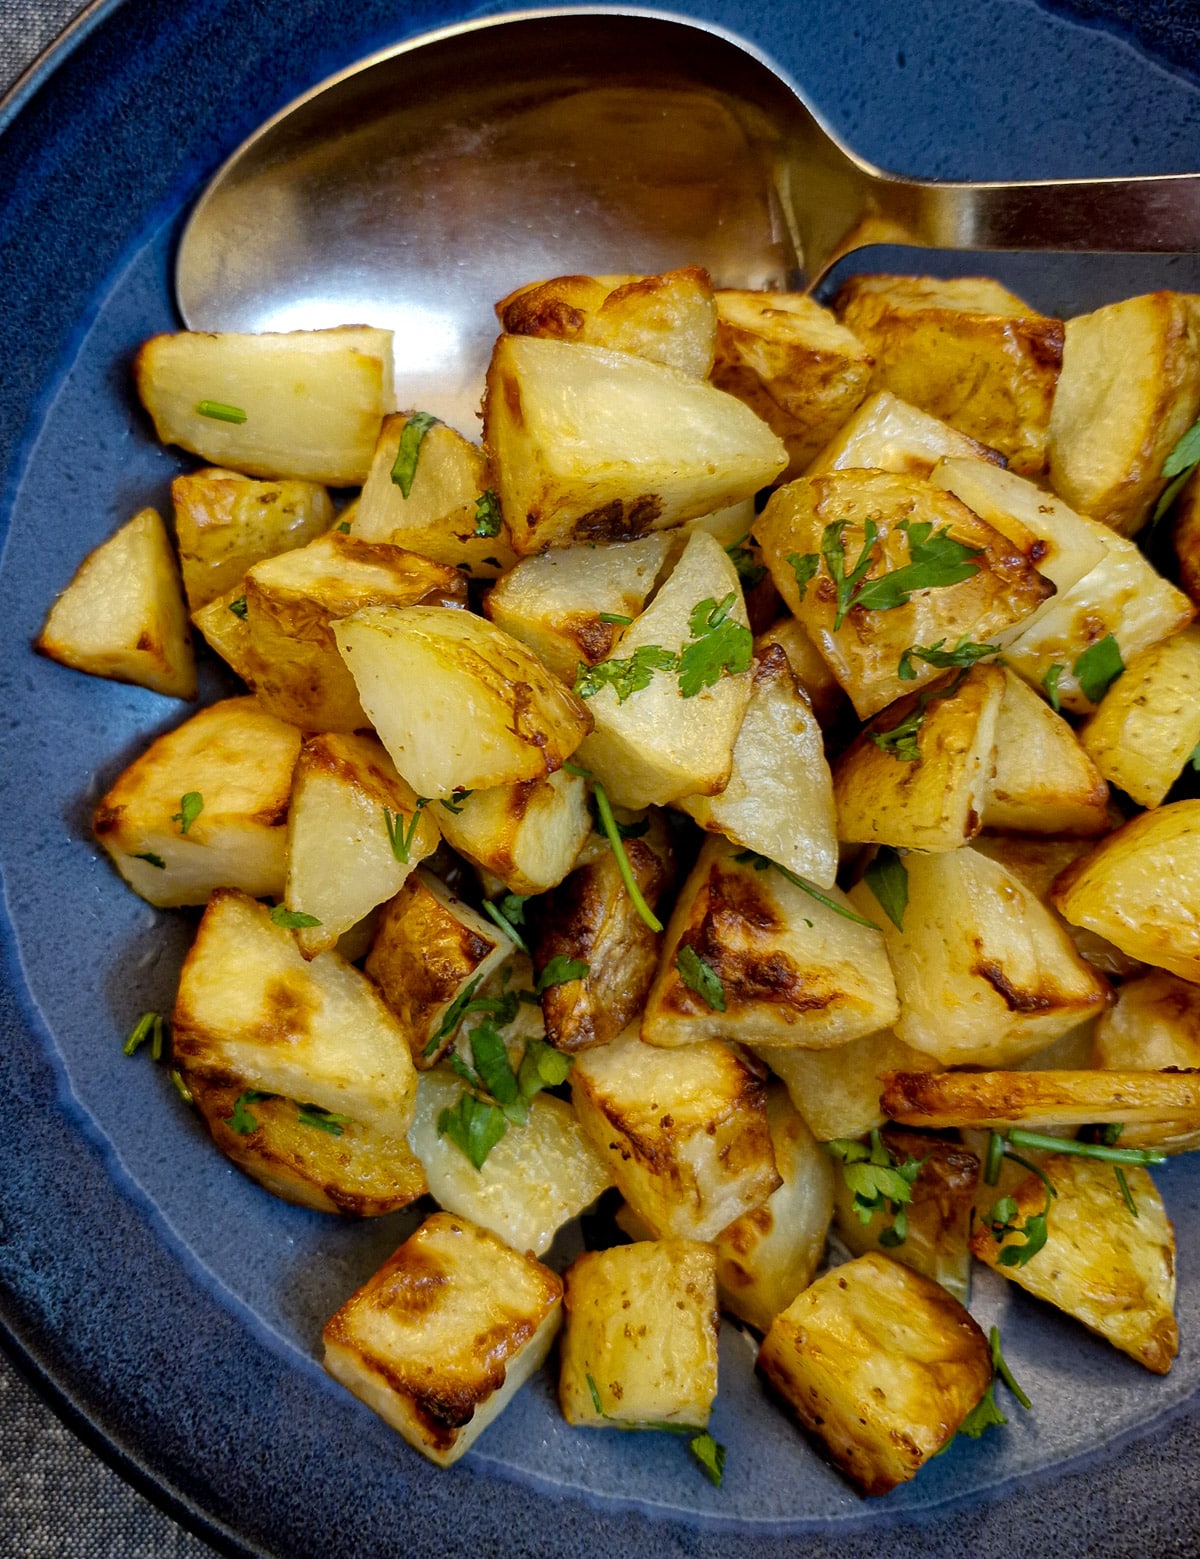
(417, 187)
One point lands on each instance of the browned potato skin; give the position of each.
(1147, 725)
(590, 917)
(1185, 535)
(820, 1355)
(1155, 1024)
(964, 350)
(995, 1101)
(361, 1174)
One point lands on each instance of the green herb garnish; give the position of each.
(985, 1413)
(399, 837)
(720, 645)
(700, 976)
(404, 469)
(496, 913)
(238, 607)
(618, 619)
(220, 412)
(560, 970)
(190, 807)
(627, 676)
(180, 1087)
(935, 560)
(474, 1125)
(887, 878)
(760, 864)
(453, 803)
(241, 1120)
(343, 527)
(1178, 465)
(1099, 667)
(902, 740)
(141, 1031)
(750, 571)
(292, 919)
(965, 653)
(804, 566)
(612, 833)
(881, 1183)
(1050, 683)
(703, 1447)
(487, 514)
(152, 860)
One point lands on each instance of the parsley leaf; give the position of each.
(559, 971)
(399, 837)
(412, 436)
(190, 807)
(152, 860)
(935, 561)
(887, 878)
(487, 514)
(627, 676)
(760, 864)
(964, 653)
(719, 645)
(983, 1415)
(700, 976)
(238, 607)
(490, 1056)
(292, 919)
(703, 1447)
(901, 741)
(750, 571)
(804, 566)
(343, 527)
(502, 1009)
(879, 1181)
(1050, 683)
(1178, 465)
(496, 913)
(241, 1120)
(474, 1125)
(321, 1119)
(833, 551)
(220, 412)
(542, 1067)
(1099, 667)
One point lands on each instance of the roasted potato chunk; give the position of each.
(1147, 725)
(887, 434)
(685, 1134)
(926, 793)
(419, 671)
(315, 1160)
(445, 514)
(226, 522)
(528, 834)
(306, 404)
(779, 796)
(750, 955)
(1153, 1024)
(122, 616)
(818, 683)
(1139, 886)
(641, 1336)
(236, 761)
(967, 350)
(537, 1177)
(251, 1008)
(995, 1101)
(837, 1090)
(443, 1336)
(985, 973)
(1121, 1286)
(1129, 389)
(791, 362)
(1185, 536)
(594, 445)
(226, 631)
(1044, 782)
(881, 1398)
(864, 651)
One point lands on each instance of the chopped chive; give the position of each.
(609, 824)
(220, 412)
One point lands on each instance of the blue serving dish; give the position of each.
(171, 1309)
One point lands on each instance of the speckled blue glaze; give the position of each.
(172, 1308)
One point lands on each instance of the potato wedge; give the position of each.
(832, 1351)
(1121, 1286)
(1139, 886)
(811, 671)
(223, 623)
(1154, 1024)
(865, 651)
(527, 835)
(237, 760)
(837, 1091)
(122, 616)
(458, 703)
(333, 1167)
(1147, 725)
(685, 1134)
(888, 434)
(927, 792)
(778, 800)
(305, 404)
(789, 969)
(226, 522)
(1044, 782)
(641, 1336)
(251, 1008)
(793, 364)
(594, 445)
(994, 1101)
(443, 1336)
(1129, 389)
(965, 349)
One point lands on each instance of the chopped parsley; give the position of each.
(881, 1183)
(745, 559)
(1099, 667)
(887, 878)
(241, 1120)
(496, 912)
(180, 1087)
(152, 860)
(343, 527)
(238, 607)
(560, 970)
(612, 832)
(706, 1450)
(700, 976)
(453, 803)
(499, 1095)
(220, 412)
(190, 807)
(935, 561)
(760, 864)
(321, 1119)
(1178, 465)
(399, 837)
(404, 469)
(292, 919)
(902, 740)
(965, 653)
(720, 644)
(986, 1413)
(474, 1125)
(1050, 682)
(627, 676)
(502, 1009)
(487, 514)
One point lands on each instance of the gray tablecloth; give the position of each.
(57, 1499)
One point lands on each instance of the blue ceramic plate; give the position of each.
(170, 1307)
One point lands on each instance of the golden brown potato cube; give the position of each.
(779, 796)
(420, 669)
(527, 834)
(304, 404)
(443, 1336)
(1139, 886)
(668, 738)
(837, 1091)
(967, 350)
(122, 616)
(591, 919)
(594, 445)
(449, 513)
(816, 680)
(998, 1100)
(887, 434)
(938, 1217)
(750, 955)
(864, 650)
(430, 949)
(685, 1132)
(308, 1157)
(668, 319)
(226, 522)
(536, 1178)
(251, 1008)
(928, 793)
(1153, 1024)
(568, 605)
(204, 807)
(882, 1398)
(765, 1257)
(1185, 535)
(1044, 782)
(985, 973)
(1121, 1286)
(348, 803)
(1147, 725)
(1129, 389)
(791, 362)
(226, 631)
(640, 1341)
